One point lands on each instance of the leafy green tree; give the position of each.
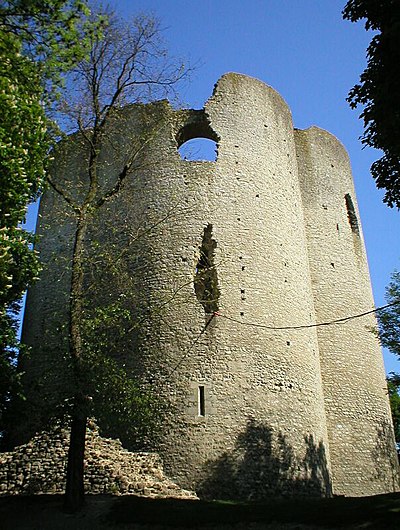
(389, 334)
(23, 149)
(379, 90)
(393, 381)
(389, 318)
(52, 34)
(39, 40)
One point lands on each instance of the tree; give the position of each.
(37, 41)
(393, 381)
(389, 334)
(389, 318)
(23, 148)
(379, 90)
(126, 64)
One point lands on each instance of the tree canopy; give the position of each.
(379, 90)
(389, 334)
(38, 41)
(389, 319)
(393, 381)
(23, 147)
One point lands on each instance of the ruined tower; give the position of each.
(233, 265)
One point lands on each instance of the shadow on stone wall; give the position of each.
(386, 464)
(263, 464)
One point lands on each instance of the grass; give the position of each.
(382, 511)
(43, 512)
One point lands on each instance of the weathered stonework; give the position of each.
(39, 467)
(268, 234)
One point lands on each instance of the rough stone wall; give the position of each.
(39, 467)
(358, 416)
(251, 377)
(243, 405)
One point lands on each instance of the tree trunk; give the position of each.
(74, 490)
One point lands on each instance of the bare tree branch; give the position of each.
(63, 194)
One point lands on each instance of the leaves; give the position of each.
(389, 334)
(23, 148)
(53, 34)
(379, 90)
(393, 381)
(38, 41)
(389, 319)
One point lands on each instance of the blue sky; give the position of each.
(312, 57)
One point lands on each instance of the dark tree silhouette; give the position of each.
(379, 90)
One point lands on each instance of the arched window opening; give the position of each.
(196, 139)
(200, 149)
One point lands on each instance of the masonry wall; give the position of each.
(252, 376)
(216, 277)
(40, 467)
(358, 416)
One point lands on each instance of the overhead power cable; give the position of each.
(342, 320)
(275, 328)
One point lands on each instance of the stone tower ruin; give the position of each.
(234, 268)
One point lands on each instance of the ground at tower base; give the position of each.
(105, 512)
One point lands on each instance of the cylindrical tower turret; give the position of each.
(243, 405)
(363, 457)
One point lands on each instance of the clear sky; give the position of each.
(312, 57)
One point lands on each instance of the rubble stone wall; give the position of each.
(39, 467)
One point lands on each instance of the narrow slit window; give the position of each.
(201, 401)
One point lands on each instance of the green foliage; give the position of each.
(22, 131)
(389, 319)
(389, 334)
(117, 401)
(393, 381)
(53, 33)
(38, 41)
(23, 147)
(379, 90)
